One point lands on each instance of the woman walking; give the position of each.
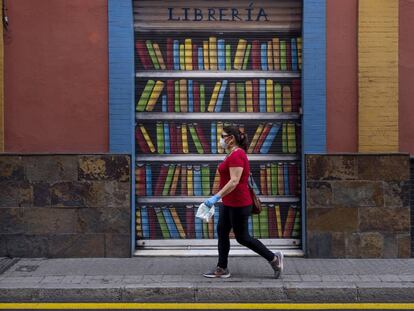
(237, 204)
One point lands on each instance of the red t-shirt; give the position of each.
(240, 196)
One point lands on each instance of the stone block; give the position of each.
(108, 194)
(104, 168)
(332, 219)
(104, 220)
(384, 167)
(77, 245)
(319, 244)
(72, 194)
(338, 245)
(15, 194)
(11, 220)
(390, 246)
(396, 193)
(11, 168)
(357, 193)
(384, 219)
(3, 246)
(334, 167)
(318, 194)
(41, 194)
(47, 220)
(364, 245)
(51, 168)
(404, 245)
(22, 245)
(118, 245)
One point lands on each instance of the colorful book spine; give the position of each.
(140, 176)
(269, 178)
(147, 138)
(283, 62)
(196, 89)
(202, 137)
(255, 55)
(163, 224)
(205, 230)
(262, 95)
(183, 95)
(212, 45)
(170, 54)
(267, 143)
(161, 179)
(143, 54)
(195, 57)
(221, 54)
(294, 54)
(276, 53)
(228, 57)
(273, 172)
(206, 56)
(200, 59)
(299, 47)
(288, 55)
(184, 181)
(287, 99)
(216, 219)
(178, 134)
(233, 101)
(291, 137)
(290, 219)
(296, 95)
(148, 180)
(197, 180)
(167, 141)
(170, 95)
(168, 180)
(255, 90)
(205, 179)
(272, 221)
(256, 137)
(263, 183)
(139, 138)
(264, 223)
(296, 225)
(213, 137)
(173, 137)
(214, 96)
(216, 182)
(220, 97)
(241, 99)
(246, 56)
(284, 138)
(172, 229)
(278, 221)
(152, 55)
(184, 138)
(190, 96)
(249, 96)
(190, 221)
(256, 225)
(145, 96)
(158, 54)
(262, 137)
(278, 97)
(196, 140)
(160, 137)
(152, 219)
(144, 222)
(198, 228)
(177, 96)
(270, 105)
(177, 222)
(190, 181)
(293, 178)
(174, 182)
(182, 57)
(239, 57)
(219, 132)
(202, 98)
(280, 179)
(155, 94)
(270, 55)
(286, 178)
(263, 56)
(250, 226)
(176, 55)
(188, 54)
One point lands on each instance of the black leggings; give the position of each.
(238, 219)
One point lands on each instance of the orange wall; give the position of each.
(342, 74)
(56, 76)
(406, 76)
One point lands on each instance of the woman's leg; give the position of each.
(223, 231)
(239, 221)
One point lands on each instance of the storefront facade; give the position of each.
(181, 70)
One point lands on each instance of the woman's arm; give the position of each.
(235, 175)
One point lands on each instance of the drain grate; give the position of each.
(7, 263)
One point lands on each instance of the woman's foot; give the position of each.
(217, 273)
(277, 264)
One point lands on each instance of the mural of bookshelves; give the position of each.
(188, 87)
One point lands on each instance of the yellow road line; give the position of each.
(208, 306)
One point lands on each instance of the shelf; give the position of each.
(216, 115)
(216, 74)
(211, 157)
(199, 199)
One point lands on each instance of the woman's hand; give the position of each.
(211, 201)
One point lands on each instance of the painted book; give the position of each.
(155, 94)
(145, 96)
(239, 57)
(143, 54)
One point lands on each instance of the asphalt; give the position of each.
(179, 279)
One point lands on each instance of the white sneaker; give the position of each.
(277, 264)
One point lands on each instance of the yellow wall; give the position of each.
(378, 76)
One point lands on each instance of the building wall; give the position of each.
(341, 82)
(56, 76)
(406, 76)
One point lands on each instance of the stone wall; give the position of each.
(65, 205)
(358, 206)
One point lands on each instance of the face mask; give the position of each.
(223, 143)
